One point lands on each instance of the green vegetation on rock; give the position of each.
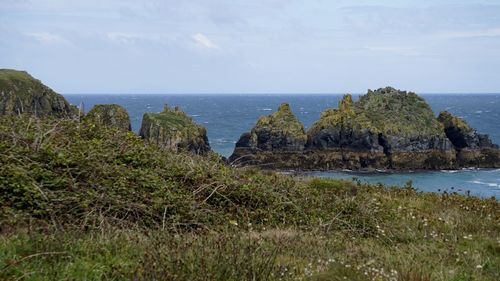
(282, 120)
(174, 129)
(21, 93)
(111, 115)
(387, 111)
(450, 121)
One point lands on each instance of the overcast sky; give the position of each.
(255, 46)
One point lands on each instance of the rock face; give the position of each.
(110, 115)
(280, 132)
(21, 93)
(173, 129)
(384, 129)
(473, 149)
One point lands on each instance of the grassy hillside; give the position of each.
(84, 202)
(21, 93)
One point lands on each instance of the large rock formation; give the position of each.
(21, 93)
(110, 115)
(384, 129)
(473, 149)
(173, 129)
(278, 133)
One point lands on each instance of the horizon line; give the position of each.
(273, 93)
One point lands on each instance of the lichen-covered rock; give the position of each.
(110, 115)
(462, 135)
(473, 149)
(392, 125)
(21, 93)
(173, 129)
(280, 132)
(384, 129)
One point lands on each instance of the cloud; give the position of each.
(202, 41)
(492, 32)
(397, 50)
(48, 38)
(132, 38)
(122, 38)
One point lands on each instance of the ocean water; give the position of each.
(226, 117)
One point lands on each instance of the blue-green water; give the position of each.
(226, 117)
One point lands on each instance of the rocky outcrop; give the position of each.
(384, 129)
(173, 129)
(473, 149)
(278, 133)
(21, 93)
(110, 115)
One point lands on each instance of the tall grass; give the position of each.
(82, 202)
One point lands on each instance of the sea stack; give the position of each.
(175, 130)
(384, 129)
(273, 137)
(20, 93)
(110, 115)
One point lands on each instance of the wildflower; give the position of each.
(479, 266)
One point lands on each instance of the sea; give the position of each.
(227, 116)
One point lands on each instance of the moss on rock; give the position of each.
(281, 131)
(174, 129)
(21, 93)
(111, 115)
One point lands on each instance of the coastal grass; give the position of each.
(84, 202)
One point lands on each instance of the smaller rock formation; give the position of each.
(21, 93)
(473, 149)
(173, 129)
(110, 115)
(279, 133)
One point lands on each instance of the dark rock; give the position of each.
(384, 129)
(462, 135)
(279, 132)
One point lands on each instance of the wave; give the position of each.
(265, 109)
(450, 171)
(490, 184)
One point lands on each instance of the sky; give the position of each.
(255, 46)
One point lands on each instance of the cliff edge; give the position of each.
(21, 93)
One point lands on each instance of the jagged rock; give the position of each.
(111, 115)
(462, 135)
(384, 129)
(173, 129)
(473, 149)
(21, 93)
(280, 132)
(398, 128)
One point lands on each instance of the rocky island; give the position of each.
(384, 129)
(175, 130)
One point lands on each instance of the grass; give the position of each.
(84, 202)
(21, 93)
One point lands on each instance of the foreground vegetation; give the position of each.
(83, 202)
